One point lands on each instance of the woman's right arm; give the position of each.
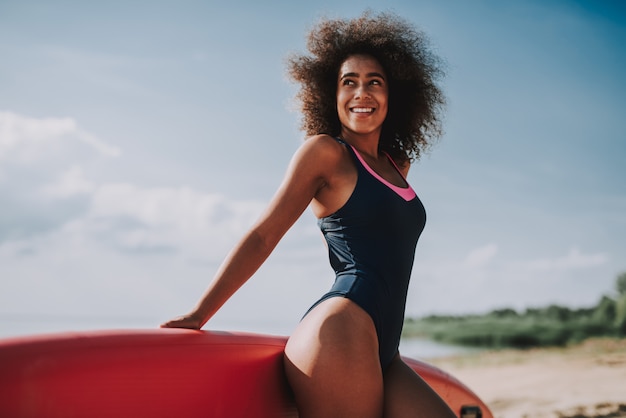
(309, 170)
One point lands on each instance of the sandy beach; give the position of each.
(586, 380)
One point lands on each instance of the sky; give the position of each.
(140, 139)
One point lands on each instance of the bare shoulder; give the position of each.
(322, 151)
(334, 167)
(323, 145)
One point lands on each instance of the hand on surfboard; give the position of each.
(185, 321)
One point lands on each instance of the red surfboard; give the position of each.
(166, 373)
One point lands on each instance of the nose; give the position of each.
(362, 92)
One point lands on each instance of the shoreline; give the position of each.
(587, 380)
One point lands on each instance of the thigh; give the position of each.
(407, 395)
(332, 364)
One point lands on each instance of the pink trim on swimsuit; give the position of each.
(407, 193)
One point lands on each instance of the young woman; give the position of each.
(371, 105)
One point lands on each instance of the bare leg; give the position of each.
(332, 365)
(407, 395)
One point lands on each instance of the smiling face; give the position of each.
(362, 97)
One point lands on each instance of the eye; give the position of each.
(376, 82)
(347, 82)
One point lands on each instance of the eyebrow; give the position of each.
(369, 75)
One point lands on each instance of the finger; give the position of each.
(180, 323)
(174, 323)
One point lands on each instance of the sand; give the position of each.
(587, 380)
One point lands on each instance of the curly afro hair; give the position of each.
(415, 100)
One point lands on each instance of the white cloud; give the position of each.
(129, 219)
(15, 129)
(100, 146)
(123, 217)
(481, 256)
(573, 260)
(70, 183)
(445, 283)
(26, 139)
(184, 219)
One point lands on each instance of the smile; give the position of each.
(362, 109)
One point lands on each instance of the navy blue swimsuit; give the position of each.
(371, 245)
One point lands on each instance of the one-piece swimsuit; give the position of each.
(371, 245)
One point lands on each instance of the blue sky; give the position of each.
(139, 139)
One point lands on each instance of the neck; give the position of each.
(364, 143)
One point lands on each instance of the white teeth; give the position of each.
(363, 109)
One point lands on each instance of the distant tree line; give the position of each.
(553, 325)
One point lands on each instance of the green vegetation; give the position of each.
(536, 327)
